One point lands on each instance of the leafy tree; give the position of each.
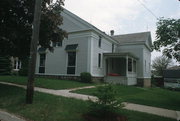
(16, 17)
(168, 36)
(159, 64)
(16, 23)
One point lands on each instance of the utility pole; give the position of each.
(33, 52)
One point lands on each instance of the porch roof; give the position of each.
(122, 54)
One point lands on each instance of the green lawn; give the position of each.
(147, 96)
(44, 82)
(55, 108)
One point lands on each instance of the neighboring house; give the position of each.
(172, 77)
(123, 59)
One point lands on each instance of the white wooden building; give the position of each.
(123, 59)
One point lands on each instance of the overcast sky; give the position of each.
(125, 16)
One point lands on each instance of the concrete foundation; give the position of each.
(144, 82)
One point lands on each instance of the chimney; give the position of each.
(112, 32)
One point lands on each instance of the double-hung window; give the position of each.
(42, 63)
(71, 63)
(100, 41)
(99, 60)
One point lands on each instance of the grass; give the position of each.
(156, 97)
(45, 83)
(55, 108)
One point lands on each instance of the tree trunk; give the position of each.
(33, 52)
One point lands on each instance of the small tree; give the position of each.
(107, 105)
(159, 64)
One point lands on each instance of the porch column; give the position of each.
(126, 65)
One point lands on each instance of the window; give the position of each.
(42, 63)
(99, 60)
(57, 44)
(17, 64)
(112, 48)
(71, 63)
(42, 59)
(129, 64)
(134, 66)
(100, 39)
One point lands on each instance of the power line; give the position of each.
(147, 9)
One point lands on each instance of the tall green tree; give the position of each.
(16, 25)
(16, 18)
(168, 37)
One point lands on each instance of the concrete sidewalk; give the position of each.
(130, 106)
(4, 116)
(153, 110)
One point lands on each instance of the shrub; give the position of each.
(86, 77)
(107, 105)
(5, 65)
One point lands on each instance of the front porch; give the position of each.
(120, 68)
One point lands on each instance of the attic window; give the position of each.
(100, 39)
(57, 44)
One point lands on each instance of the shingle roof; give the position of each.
(132, 38)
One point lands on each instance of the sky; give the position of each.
(125, 16)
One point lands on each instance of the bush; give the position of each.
(5, 65)
(86, 77)
(108, 104)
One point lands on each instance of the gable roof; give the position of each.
(88, 25)
(135, 38)
(131, 38)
